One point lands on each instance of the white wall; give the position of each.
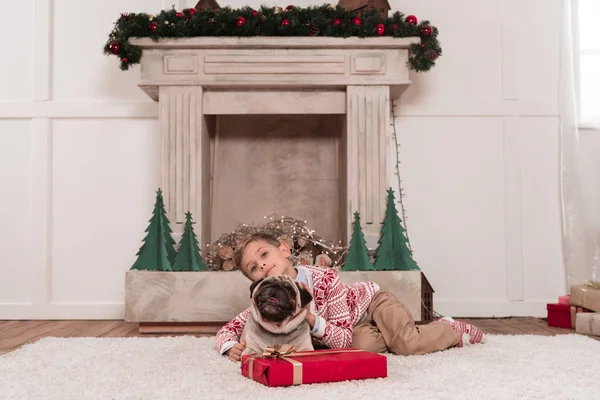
(79, 158)
(480, 152)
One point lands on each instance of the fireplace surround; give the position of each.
(253, 126)
(242, 118)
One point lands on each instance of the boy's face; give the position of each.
(262, 259)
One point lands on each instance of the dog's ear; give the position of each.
(305, 296)
(254, 286)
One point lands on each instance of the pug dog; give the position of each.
(278, 315)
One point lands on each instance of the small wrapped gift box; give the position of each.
(588, 324)
(282, 366)
(563, 315)
(564, 299)
(585, 296)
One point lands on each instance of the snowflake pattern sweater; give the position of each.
(339, 306)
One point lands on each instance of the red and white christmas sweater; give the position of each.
(338, 307)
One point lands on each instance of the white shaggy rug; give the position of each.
(506, 367)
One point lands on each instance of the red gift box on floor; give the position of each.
(563, 315)
(282, 367)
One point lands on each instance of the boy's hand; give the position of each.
(235, 353)
(305, 286)
(310, 317)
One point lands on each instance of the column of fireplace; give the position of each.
(367, 123)
(185, 158)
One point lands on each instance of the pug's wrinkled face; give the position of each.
(276, 300)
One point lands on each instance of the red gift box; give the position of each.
(287, 368)
(563, 315)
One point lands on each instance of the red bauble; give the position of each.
(356, 21)
(114, 47)
(337, 21)
(380, 29)
(125, 60)
(426, 31)
(179, 14)
(395, 26)
(289, 8)
(285, 22)
(153, 26)
(254, 13)
(240, 21)
(411, 19)
(192, 11)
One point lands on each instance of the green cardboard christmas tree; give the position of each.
(189, 257)
(392, 252)
(170, 242)
(358, 258)
(157, 253)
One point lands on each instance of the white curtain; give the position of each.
(580, 242)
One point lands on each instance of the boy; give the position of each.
(360, 315)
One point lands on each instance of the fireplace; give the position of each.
(292, 126)
(242, 119)
(283, 164)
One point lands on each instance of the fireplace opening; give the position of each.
(286, 164)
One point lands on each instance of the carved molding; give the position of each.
(195, 77)
(181, 130)
(183, 65)
(368, 143)
(266, 63)
(261, 102)
(276, 64)
(368, 64)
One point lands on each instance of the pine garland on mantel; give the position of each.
(325, 20)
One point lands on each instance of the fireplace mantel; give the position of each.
(196, 77)
(275, 62)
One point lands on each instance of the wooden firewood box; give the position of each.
(201, 302)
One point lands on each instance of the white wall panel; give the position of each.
(81, 71)
(590, 145)
(452, 172)
(105, 174)
(16, 47)
(538, 50)
(544, 275)
(16, 228)
(469, 69)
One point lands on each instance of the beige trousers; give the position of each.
(390, 326)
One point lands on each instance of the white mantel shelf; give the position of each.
(274, 62)
(205, 76)
(276, 42)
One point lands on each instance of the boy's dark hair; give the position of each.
(239, 250)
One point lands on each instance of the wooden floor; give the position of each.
(14, 334)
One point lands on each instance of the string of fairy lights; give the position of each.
(306, 246)
(397, 173)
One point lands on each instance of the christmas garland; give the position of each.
(325, 20)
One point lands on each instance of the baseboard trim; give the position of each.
(116, 310)
(62, 310)
(207, 328)
(491, 308)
